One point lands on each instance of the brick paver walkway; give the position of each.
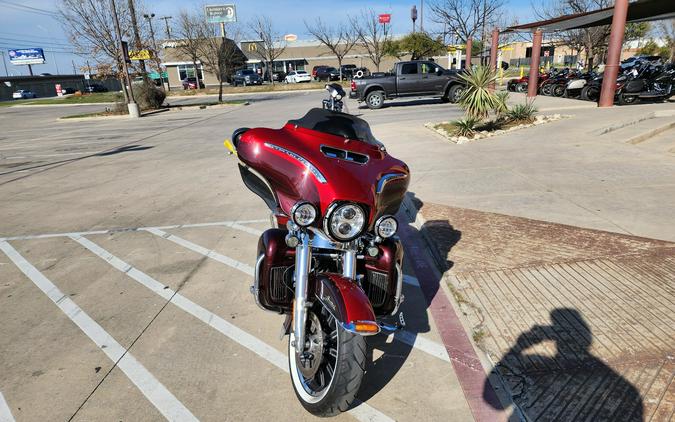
(580, 323)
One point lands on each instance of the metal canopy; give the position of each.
(639, 11)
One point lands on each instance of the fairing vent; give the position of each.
(376, 287)
(342, 154)
(278, 290)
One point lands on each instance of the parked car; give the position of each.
(95, 88)
(327, 73)
(409, 79)
(296, 76)
(23, 93)
(68, 90)
(348, 71)
(314, 69)
(246, 77)
(191, 83)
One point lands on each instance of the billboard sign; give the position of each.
(140, 55)
(26, 56)
(222, 13)
(385, 18)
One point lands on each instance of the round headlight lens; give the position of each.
(346, 222)
(303, 214)
(386, 226)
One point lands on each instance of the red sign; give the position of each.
(546, 53)
(59, 91)
(385, 18)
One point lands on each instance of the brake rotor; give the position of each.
(309, 361)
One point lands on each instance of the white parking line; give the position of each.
(234, 224)
(363, 412)
(167, 404)
(5, 412)
(428, 346)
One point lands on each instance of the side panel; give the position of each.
(347, 301)
(381, 282)
(274, 272)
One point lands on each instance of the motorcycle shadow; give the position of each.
(385, 355)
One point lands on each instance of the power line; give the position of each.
(35, 42)
(30, 35)
(28, 8)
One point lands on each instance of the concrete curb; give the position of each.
(650, 133)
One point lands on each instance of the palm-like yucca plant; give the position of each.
(478, 98)
(502, 98)
(465, 127)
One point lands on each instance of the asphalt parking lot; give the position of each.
(126, 265)
(127, 249)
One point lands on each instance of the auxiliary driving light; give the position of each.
(303, 214)
(386, 226)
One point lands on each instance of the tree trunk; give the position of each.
(194, 63)
(220, 89)
(588, 49)
(269, 72)
(339, 68)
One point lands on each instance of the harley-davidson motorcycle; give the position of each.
(332, 263)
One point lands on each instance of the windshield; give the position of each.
(247, 72)
(338, 124)
(301, 72)
(331, 69)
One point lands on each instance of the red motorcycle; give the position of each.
(332, 264)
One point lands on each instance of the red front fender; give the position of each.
(347, 302)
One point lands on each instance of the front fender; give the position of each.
(347, 302)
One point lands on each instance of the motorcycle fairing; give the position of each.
(293, 162)
(346, 301)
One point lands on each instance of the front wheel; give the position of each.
(327, 376)
(628, 99)
(590, 93)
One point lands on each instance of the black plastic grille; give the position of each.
(376, 287)
(278, 290)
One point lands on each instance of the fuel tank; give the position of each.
(323, 157)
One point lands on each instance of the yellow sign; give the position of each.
(140, 55)
(506, 48)
(253, 47)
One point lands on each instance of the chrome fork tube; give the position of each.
(303, 258)
(349, 264)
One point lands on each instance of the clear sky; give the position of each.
(32, 23)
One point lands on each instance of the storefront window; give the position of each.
(188, 71)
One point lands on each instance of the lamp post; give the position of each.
(134, 111)
(149, 17)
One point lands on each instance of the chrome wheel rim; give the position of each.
(458, 94)
(375, 100)
(322, 338)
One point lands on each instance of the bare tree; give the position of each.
(339, 39)
(465, 18)
(372, 35)
(190, 32)
(666, 30)
(220, 55)
(271, 45)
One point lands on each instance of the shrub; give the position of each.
(465, 127)
(502, 98)
(522, 112)
(478, 98)
(148, 96)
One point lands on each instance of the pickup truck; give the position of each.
(408, 79)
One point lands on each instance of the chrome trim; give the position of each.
(303, 259)
(379, 220)
(295, 207)
(322, 241)
(388, 178)
(255, 289)
(346, 151)
(398, 298)
(349, 264)
(302, 160)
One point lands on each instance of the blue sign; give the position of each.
(27, 56)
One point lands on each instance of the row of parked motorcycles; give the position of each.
(639, 79)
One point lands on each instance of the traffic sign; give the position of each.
(385, 17)
(223, 13)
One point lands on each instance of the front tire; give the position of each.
(590, 93)
(326, 384)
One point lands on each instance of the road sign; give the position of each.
(220, 13)
(26, 56)
(385, 18)
(290, 37)
(140, 55)
(155, 75)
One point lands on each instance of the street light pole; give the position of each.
(131, 105)
(154, 46)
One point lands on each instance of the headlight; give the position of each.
(386, 226)
(303, 214)
(345, 222)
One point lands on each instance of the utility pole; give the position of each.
(131, 105)
(421, 15)
(138, 45)
(154, 46)
(166, 24)
(413, 16)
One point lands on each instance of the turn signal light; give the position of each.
(366, 327)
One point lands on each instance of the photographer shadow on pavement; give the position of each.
(385, 357)
(572, 385)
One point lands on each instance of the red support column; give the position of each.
(613, 53)
(493, 52)
(533, 81)
(467, 62)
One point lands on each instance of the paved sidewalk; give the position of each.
(579, 323)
